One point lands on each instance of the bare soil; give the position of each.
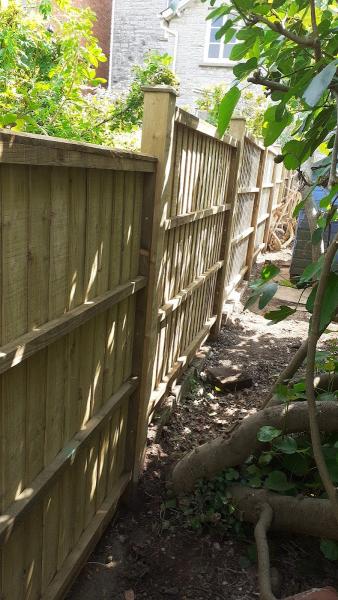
(142, 555)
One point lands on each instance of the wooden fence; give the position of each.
(114, 268)
(216, 198)
(72, 219)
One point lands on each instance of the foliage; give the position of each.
(251, 106)
(289, 48)
(45, 67)
(48, 81)
(128, 111)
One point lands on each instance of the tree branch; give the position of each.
(274, 86)
(289, 371)
(333, 170)
(318, 52)
(315, 333)
(307, 42)
(261, 529)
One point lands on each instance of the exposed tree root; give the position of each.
(263, 555)
(292, 514)
(230, 451)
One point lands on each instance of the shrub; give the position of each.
(48, 82)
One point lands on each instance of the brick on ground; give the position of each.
(228, 379)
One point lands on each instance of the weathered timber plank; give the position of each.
(20, 349)
(191, 217)
(20, 148)
(51, 473)
(175, 302)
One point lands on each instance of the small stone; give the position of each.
(109, 559)
(228, 379)
(217, 546)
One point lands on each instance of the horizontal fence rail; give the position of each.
(114, 269)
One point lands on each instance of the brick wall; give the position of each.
(102, 28)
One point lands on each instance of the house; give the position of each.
(180, 30)
(128, 29)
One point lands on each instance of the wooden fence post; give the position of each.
(237, 130)
(270, 206)
(157, 140)
(255, 212)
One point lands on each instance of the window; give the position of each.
(216, 50)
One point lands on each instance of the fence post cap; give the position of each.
(238, 127)
(167, 89)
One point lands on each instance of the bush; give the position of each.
(252, 107)
(48, 82)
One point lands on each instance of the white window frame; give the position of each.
(222, 62)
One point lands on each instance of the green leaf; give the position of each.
(255, 482)
(277, 482)
(227, 108)
(243, 69)
(269, 271)
(240, 50)
(272, 128)
(219, 12)
(330, 300)
(298, 208)
(275, 316)
(265, 458)
(222, 31)
(286, 444)
(295, 152)
(231, 475)
(329, 548)
(269, 291)
(326, 201)
(319, 84)
(9, 119)
(300, 386)
(297, 464)
(312, 271)
(268, 433)
(317, 236)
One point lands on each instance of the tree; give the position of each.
(289, 48)
(251, 106)
(48, 82)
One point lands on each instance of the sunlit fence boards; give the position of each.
(70, 285)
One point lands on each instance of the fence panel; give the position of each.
(194, 230)
(70, 286)
(243, 234)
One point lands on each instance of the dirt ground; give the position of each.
(144, 556)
